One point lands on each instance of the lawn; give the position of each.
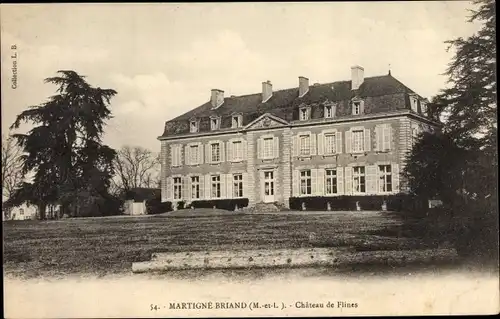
(104, 246)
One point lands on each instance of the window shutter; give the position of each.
(395, 178)
(170, 194)
(321, 182)
(208, 157)
(313, 144)
(314, 181)
(180, 150)
(222, 151)
(245, 149)
(202, 186)
(378, 138)
(200, 153)
(188, 187)
(368, 141)
(184, 191)
(259, 148)
(223, 186)
(348, 142)
(362, 107)
(295, 145)
(229, 186)
(245, 185)
(338, 142)
(387, 137)
(340, 180)
(295, 183)
(229, 148)
(321, 144)
(348, 180)
(207, 189)
(276, 141)
(172, 155)
(371, 179)
(187, 158)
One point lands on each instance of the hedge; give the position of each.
(400, 202)
(227, 204)
(155, 206)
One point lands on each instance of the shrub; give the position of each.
(155, 206)
(227, 204)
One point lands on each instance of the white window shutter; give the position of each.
(200, 153)
(202, 186)
(229, 147)
(189, 188)
(187, 158)
(371, 179)
(169, 189)
(295, 145)
(313, 144)
(340, 180)
(378, 138)
(338, 142)
(244, 146)
(314, 182)
(295, 183)
(208, 191)
(181, 153)
(222, 146)
(223, 186)
(229, 186)
(184, 190)
(321, 182)
(245, 185)
(362, 107)
(348, 180)
(368, 140)
(348, 146)
(321, 144)
(395, 178)
(259, 148)
(387, 137)
(172, 163)
(208, 157)
(276, 142)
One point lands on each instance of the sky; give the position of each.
(163, 59)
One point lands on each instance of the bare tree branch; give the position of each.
(136, 167)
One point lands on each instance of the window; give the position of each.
(358, 140)
(356, 108)
(214, 123)
(268, 147)
(330, 143)
(177, 188)
(176, 155)
(305, 144)
(237, 185)
(237, 121)
(413, 103)
(304, 113)
(195, 187)
(414, 135)
(193, 154)
(215, 152)
(423, 107)
(21, 211)
(305, 182)
(329, 111)
(193, 127)
(385, 178)
(359, 179)
(331, 181)
(215, 186)
(237, 151)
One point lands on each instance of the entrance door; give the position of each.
(268, 186)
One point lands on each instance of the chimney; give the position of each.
(303, 86)
(217, 98)
(267, 91)
(357, 76)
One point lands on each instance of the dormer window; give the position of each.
(423, 107)
(414, 103)
(357, 107)
(329, 111)
(193, 126)
(304, 113)
(214, 123)
(237, 121)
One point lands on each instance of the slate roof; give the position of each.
(140, 194)
(381, 94)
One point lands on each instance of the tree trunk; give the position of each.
(41, 211)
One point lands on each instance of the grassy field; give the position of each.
(102, 246)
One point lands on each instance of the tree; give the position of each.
(136, 167)
(64, 149)
(12, 176)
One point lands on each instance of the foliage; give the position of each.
(227, 204)
(155, 206)
(12, 176)
(64, 149)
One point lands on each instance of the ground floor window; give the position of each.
(331, 181)
(237, 185)
(216, 186)
(359, 184)
(195, 187)
(177, 188)
(385, 178)
(305, 182)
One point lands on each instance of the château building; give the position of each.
(335, 139)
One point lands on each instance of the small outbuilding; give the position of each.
(135, 200)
